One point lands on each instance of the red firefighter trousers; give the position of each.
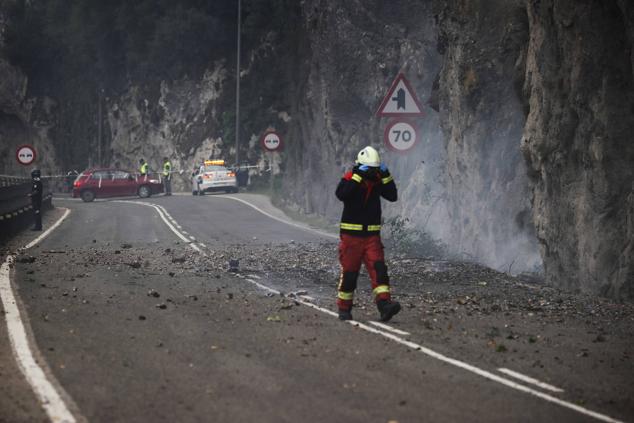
(354, 250)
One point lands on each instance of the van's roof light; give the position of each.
(215, 162)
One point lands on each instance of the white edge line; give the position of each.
(254, 276)
(49, 397)
(326, 234)
(48, 231)
(486, 374)
(530, 380)
(390, 328)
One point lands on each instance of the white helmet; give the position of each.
(369, 156)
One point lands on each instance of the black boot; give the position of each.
(345, 315)
(388, 309)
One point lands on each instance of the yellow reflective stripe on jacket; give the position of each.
(372, 228)
(381, 289)
(351, 226)
(356, 178)
(387, 179)
(345, 295)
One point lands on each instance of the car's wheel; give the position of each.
(87, 196)
(144, 191)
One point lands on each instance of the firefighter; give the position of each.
(361, 190)
(36, 199)
(144, 169)
(167, 175)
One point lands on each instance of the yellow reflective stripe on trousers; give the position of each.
(351, 226)
(356, 178)
(345, 295)
(381, 289)
(372, 228)
(387, 179)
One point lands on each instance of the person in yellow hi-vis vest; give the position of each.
(167, 176)
(144, 169)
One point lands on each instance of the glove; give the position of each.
(383, 170)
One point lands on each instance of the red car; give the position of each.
(100, 183)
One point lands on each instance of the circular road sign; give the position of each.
(25, 154)
(271, 141)
(400, 135)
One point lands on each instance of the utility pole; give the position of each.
(99, 127)
(238, 87)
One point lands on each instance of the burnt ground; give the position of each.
(144, 323)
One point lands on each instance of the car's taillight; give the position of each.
(76, 184)
(231, 174)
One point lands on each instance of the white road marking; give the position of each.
(167, 222)
(326, 234)
(47, 394)
(389, 328)
(264, 287)
(192, 238)
(484, 373)
(431, 353)
(530, 380)
(202, 245)
(48, 231)
(307, 297)
(254, 276)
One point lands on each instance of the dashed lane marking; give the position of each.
(49, 397)
(431, 353)
(530, 380)
(167, 222)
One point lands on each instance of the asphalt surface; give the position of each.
(135, 325)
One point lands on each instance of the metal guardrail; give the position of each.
(14, 197)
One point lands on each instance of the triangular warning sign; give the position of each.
(400, 100)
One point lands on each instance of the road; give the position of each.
(135, 318)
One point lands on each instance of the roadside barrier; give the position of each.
(15, 203)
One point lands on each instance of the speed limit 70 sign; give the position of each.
(400, 135)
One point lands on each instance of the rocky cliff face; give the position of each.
(180, 122)
(483, 43)
(578, 142)
(23, 120)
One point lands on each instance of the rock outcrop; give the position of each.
(23, 120)
(483, 44)
(578, 142)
